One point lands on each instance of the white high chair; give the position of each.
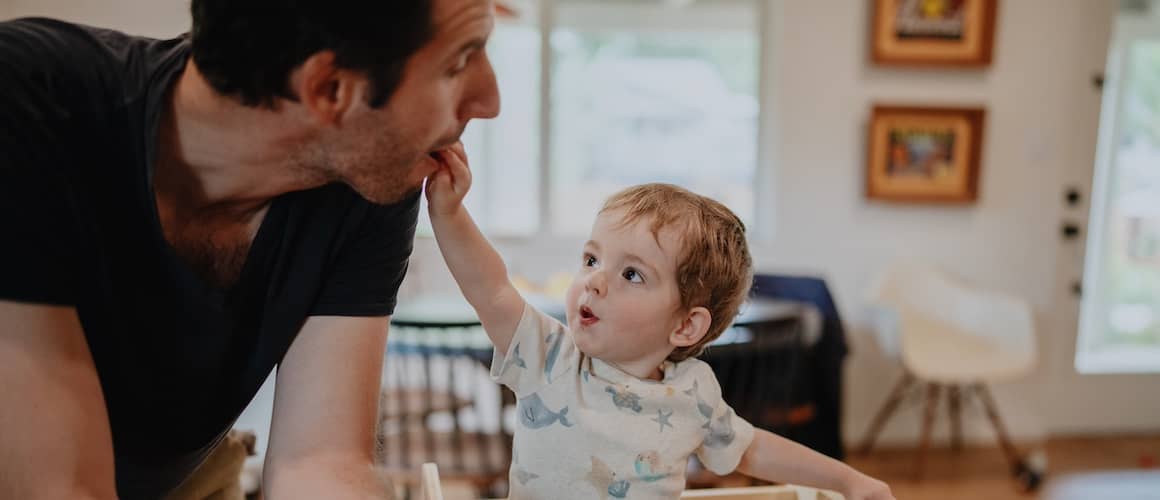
(953, 336)
(430, 487)
(780, 492)
(432, 490)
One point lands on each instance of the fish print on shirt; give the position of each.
(625, 399)
(649, 468)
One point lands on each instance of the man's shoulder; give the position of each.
(75, 97)
(50, 30)
(50, 61)
(39, 43)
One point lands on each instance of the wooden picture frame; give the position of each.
(918, 154)
(933, 32)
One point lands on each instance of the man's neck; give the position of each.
(216, 155)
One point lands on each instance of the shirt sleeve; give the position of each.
(541, 349)
(367, 273)
(726, 436)
(38, 209)
(37, 260)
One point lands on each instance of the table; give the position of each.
(757, 359)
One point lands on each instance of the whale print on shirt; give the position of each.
(720, 432)
(524, 476)
(534, 414)
(515, 359)
(554, 340)
(705, 409)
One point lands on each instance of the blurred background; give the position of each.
(767, 105)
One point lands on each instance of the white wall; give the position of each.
(156, 18)
(1040, 137)
(1041, 134)
(1042, 119)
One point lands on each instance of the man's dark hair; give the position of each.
(247, 48)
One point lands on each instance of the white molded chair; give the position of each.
(953, 336)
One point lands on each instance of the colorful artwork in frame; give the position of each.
(924, 154)
(933, 32)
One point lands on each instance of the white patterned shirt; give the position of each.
(586, 429)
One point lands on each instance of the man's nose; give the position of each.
(481, 99)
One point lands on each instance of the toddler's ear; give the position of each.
(692, 328)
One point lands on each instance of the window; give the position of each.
(1120, 313)
(504, 152)
(635, 91)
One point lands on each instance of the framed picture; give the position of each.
(924, 154)
(933, 32)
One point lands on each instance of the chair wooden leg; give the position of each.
(954, 402)
(932, 390)
(1000, 430)
(885, 412)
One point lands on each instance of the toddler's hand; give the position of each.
(448, 185)
(863, 487)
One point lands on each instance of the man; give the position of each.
(180, 216)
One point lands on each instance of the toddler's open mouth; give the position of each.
(587, 317)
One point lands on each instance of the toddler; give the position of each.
(613, 404)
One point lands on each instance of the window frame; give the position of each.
(545, 13)
(1129, 30)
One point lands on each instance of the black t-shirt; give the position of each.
(178, 359)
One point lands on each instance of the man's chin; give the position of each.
(393, 184)
(389, 195)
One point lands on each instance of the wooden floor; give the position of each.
(983, 473)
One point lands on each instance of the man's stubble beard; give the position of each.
(375, 165)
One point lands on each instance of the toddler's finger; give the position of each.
(450, 159)
(459, 151)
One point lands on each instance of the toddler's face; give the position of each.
(624, 302)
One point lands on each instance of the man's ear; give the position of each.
(326, 90)
(692, 328)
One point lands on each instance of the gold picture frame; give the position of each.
(919, 154)
(933, 32)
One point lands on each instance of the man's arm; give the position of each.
(325, 405)
(54, 430)
(474, 263)
(774, 458)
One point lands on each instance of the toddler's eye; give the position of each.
(633, 275)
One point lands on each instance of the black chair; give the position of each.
(757, 362)
(819, 382)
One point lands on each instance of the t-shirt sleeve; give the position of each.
(727, 436)
(540, 350)
(37, 259)
(367, 273)
(37, 206)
